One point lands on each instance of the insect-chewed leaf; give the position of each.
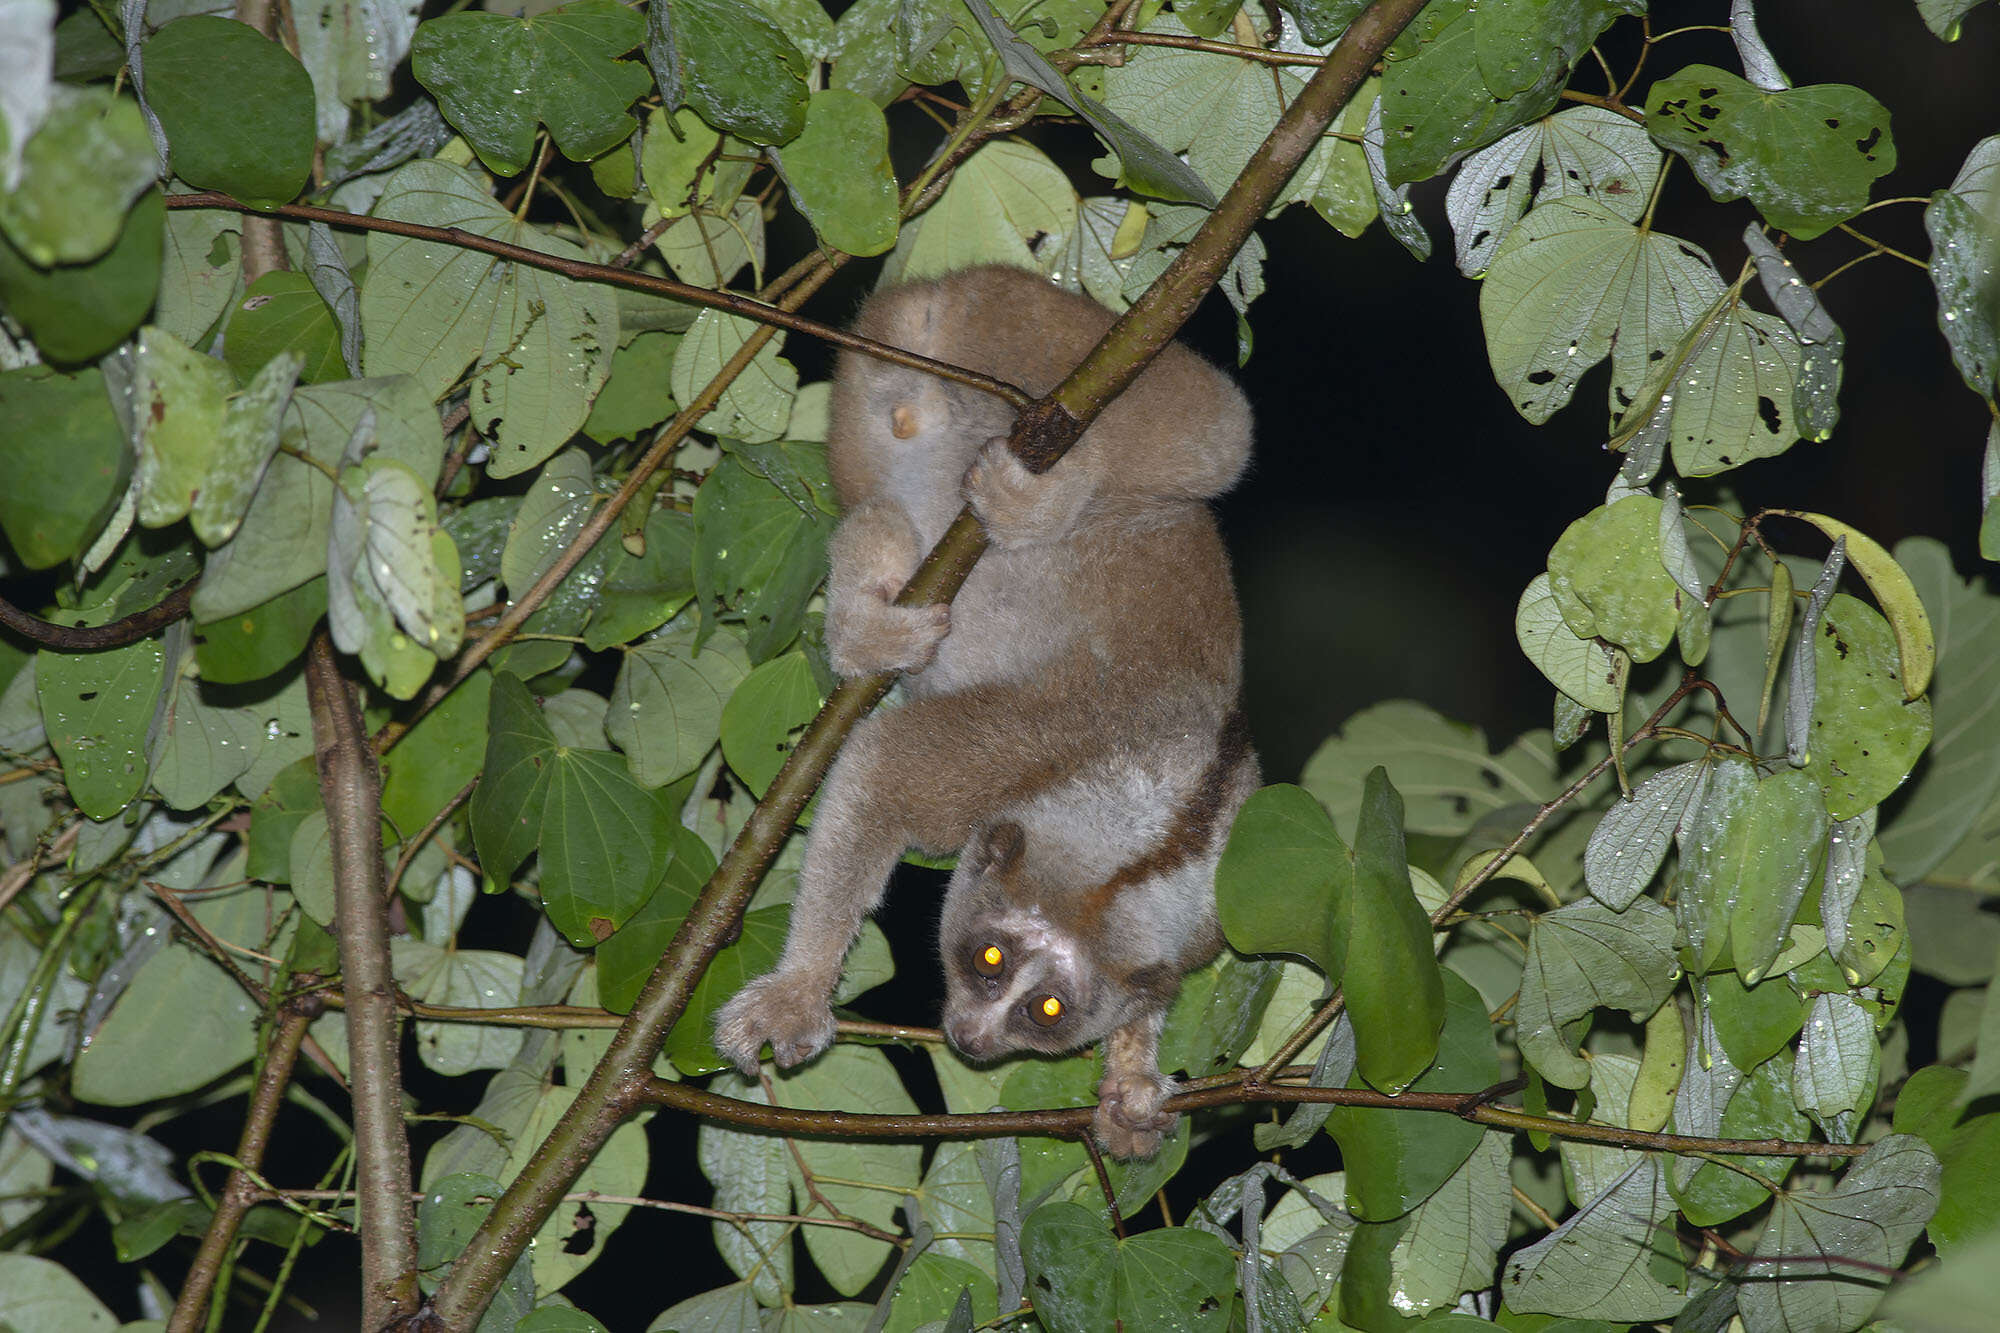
(1805, 156)
(1584, 152)
(1865, 736)
(1575, 282)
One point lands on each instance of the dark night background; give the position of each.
(1398, 505)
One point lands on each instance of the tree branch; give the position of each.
(350, 786)
(782, 315)
(1073, 1121)
(96, 638)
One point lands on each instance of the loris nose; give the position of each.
(969, 1039)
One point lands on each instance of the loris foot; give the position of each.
(1017, 507)
(788, 1011)
(868, 632)
(1129, 1121)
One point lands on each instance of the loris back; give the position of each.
(1070, 727)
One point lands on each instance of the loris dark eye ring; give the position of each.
(989, 961)
(1047, 1011)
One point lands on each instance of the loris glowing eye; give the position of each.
(1047, 1011)
(988, 961)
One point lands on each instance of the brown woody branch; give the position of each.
(783, 315)
(1072, 1122)
(350, 785)
(96, 638)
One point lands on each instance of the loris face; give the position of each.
(1014, 980)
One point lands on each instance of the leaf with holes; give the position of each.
(1805, 156)
(1577, 282)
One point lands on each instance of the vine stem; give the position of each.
(619, 1084)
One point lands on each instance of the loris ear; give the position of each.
(996, 848)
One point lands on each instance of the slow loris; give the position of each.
(1071, 726)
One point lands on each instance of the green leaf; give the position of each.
(180, 398)
(1749, 848)
(1865, 738)
(77, 312)
(251, 431)
(1589, 673)
(1284, 880)
(605, 841)
(1144, 165)
(773, 702)
(1806, 157)
(1615, 1258)
(80, 173)
(1584, 957)
(1004, 197)
(575, 1233)
(759, 552)
(199, 746)
(1395, 1160)
(554, 510)
(465, 978)
(1631, 839)
(392, 576)
(541, 343)
(731, 64)
(65, 460)
(39, 1295)
(1956, 1295)
(1961, 774)
(283, 540)
(932, 1286)
(497, 77)
(437, 756)
(1082, 1280)
(1964, 226)
(1583, 152)
(1933, 1104)
(691, 1045)
(1461, 76)
(1606, 575)
(1450, 1243)
(839, 174)
(261, 641)
(626, 959)
(1395, 992)
(1824, 1258)
(666, 707)
(1753, 1023)
(200, 265)
(642, 592)
(181, 1002)
(96, 708)
(1216, 1014)
(1577, 281)
(636, 396)
(237, 108)
(1442, 768)
(757, 405)
(1838, 1065)
(1942, 16)
(1717, 1099)
(860, 1179)
(1894, 593)
(282, 313)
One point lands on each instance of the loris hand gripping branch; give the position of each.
(1071, 727)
